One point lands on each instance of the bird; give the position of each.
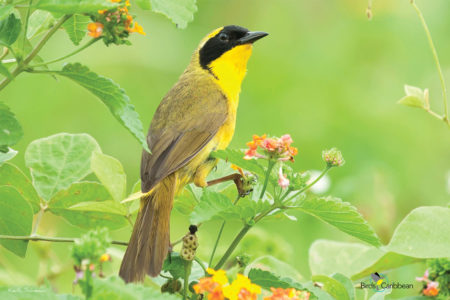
(197, 116)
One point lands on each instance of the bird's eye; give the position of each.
(224, 37)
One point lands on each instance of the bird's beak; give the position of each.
(251, 37)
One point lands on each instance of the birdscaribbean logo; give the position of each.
(379, 283)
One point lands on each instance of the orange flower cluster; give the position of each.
(273, 148)
(217, 287)
(287, 294)
(114, 24)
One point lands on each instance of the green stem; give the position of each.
(5, 53)
(24, 64)
(266, 180)
(325, 171)
(27, 17)
(36, 238)
(233, 246)
(187, 272)
(92, 41)
(201, 265)
(220, 235)
(38, 219)
(436, 60)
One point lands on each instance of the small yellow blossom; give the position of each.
(105, 257)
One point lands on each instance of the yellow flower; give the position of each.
(105, 257)
(235, 289)
(218, 276)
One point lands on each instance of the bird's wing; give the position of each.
(186, 120)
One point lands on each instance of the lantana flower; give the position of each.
(114, 25)
(287, 294)
(271, 148)
(432, 287)
(218, 288)
(283, 182)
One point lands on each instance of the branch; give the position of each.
(37, 238)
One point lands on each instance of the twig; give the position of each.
(37, 238)
(436, 61)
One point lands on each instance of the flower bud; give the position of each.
(333, 157)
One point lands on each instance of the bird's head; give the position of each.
(224, 53)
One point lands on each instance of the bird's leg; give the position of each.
(238, 181)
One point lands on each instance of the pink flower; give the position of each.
(282, 180)
(424, 277)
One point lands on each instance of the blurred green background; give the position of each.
(325, 74)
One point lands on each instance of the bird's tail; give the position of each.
(149, 242)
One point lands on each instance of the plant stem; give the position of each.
(436, 61)
(266, 180)
(187, 272)
(92, 41)
(233, 246)
(45, 38)
(38, 219)
(24, 64)
(201, 265)
(27, 17)
(325, 171)
(220, 234)
(216, 243)
(36, 238)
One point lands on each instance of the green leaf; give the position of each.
(107, 206)
(144, 4)
(237, 157)
(59, 160)
(381, 295)
(33, 293)
(174, 264)
(5, 71)
(76, 28)
(6, 10)
(7, 155)
(332, 287)
(386, 262)
(341, 215)
(180, 12)
(113, 288)
(90, 192)
(211, 207)
(38, 22)
(415, 97)
(16, 217)
(110, 173)
(347, 283)
(111, 94)
(423, 233)
(74, 6)
(412, 101)
(10, 129)
(9, 30)
(267, 280)
(11, 175)
(184, 202)
(353, 257)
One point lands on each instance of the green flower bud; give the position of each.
(299, 180)
(333, 157)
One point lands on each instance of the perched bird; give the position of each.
(196, 117)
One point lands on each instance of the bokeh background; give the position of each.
(325, 74)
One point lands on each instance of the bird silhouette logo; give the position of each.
(378, 279)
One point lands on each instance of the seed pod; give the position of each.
(190, 244)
